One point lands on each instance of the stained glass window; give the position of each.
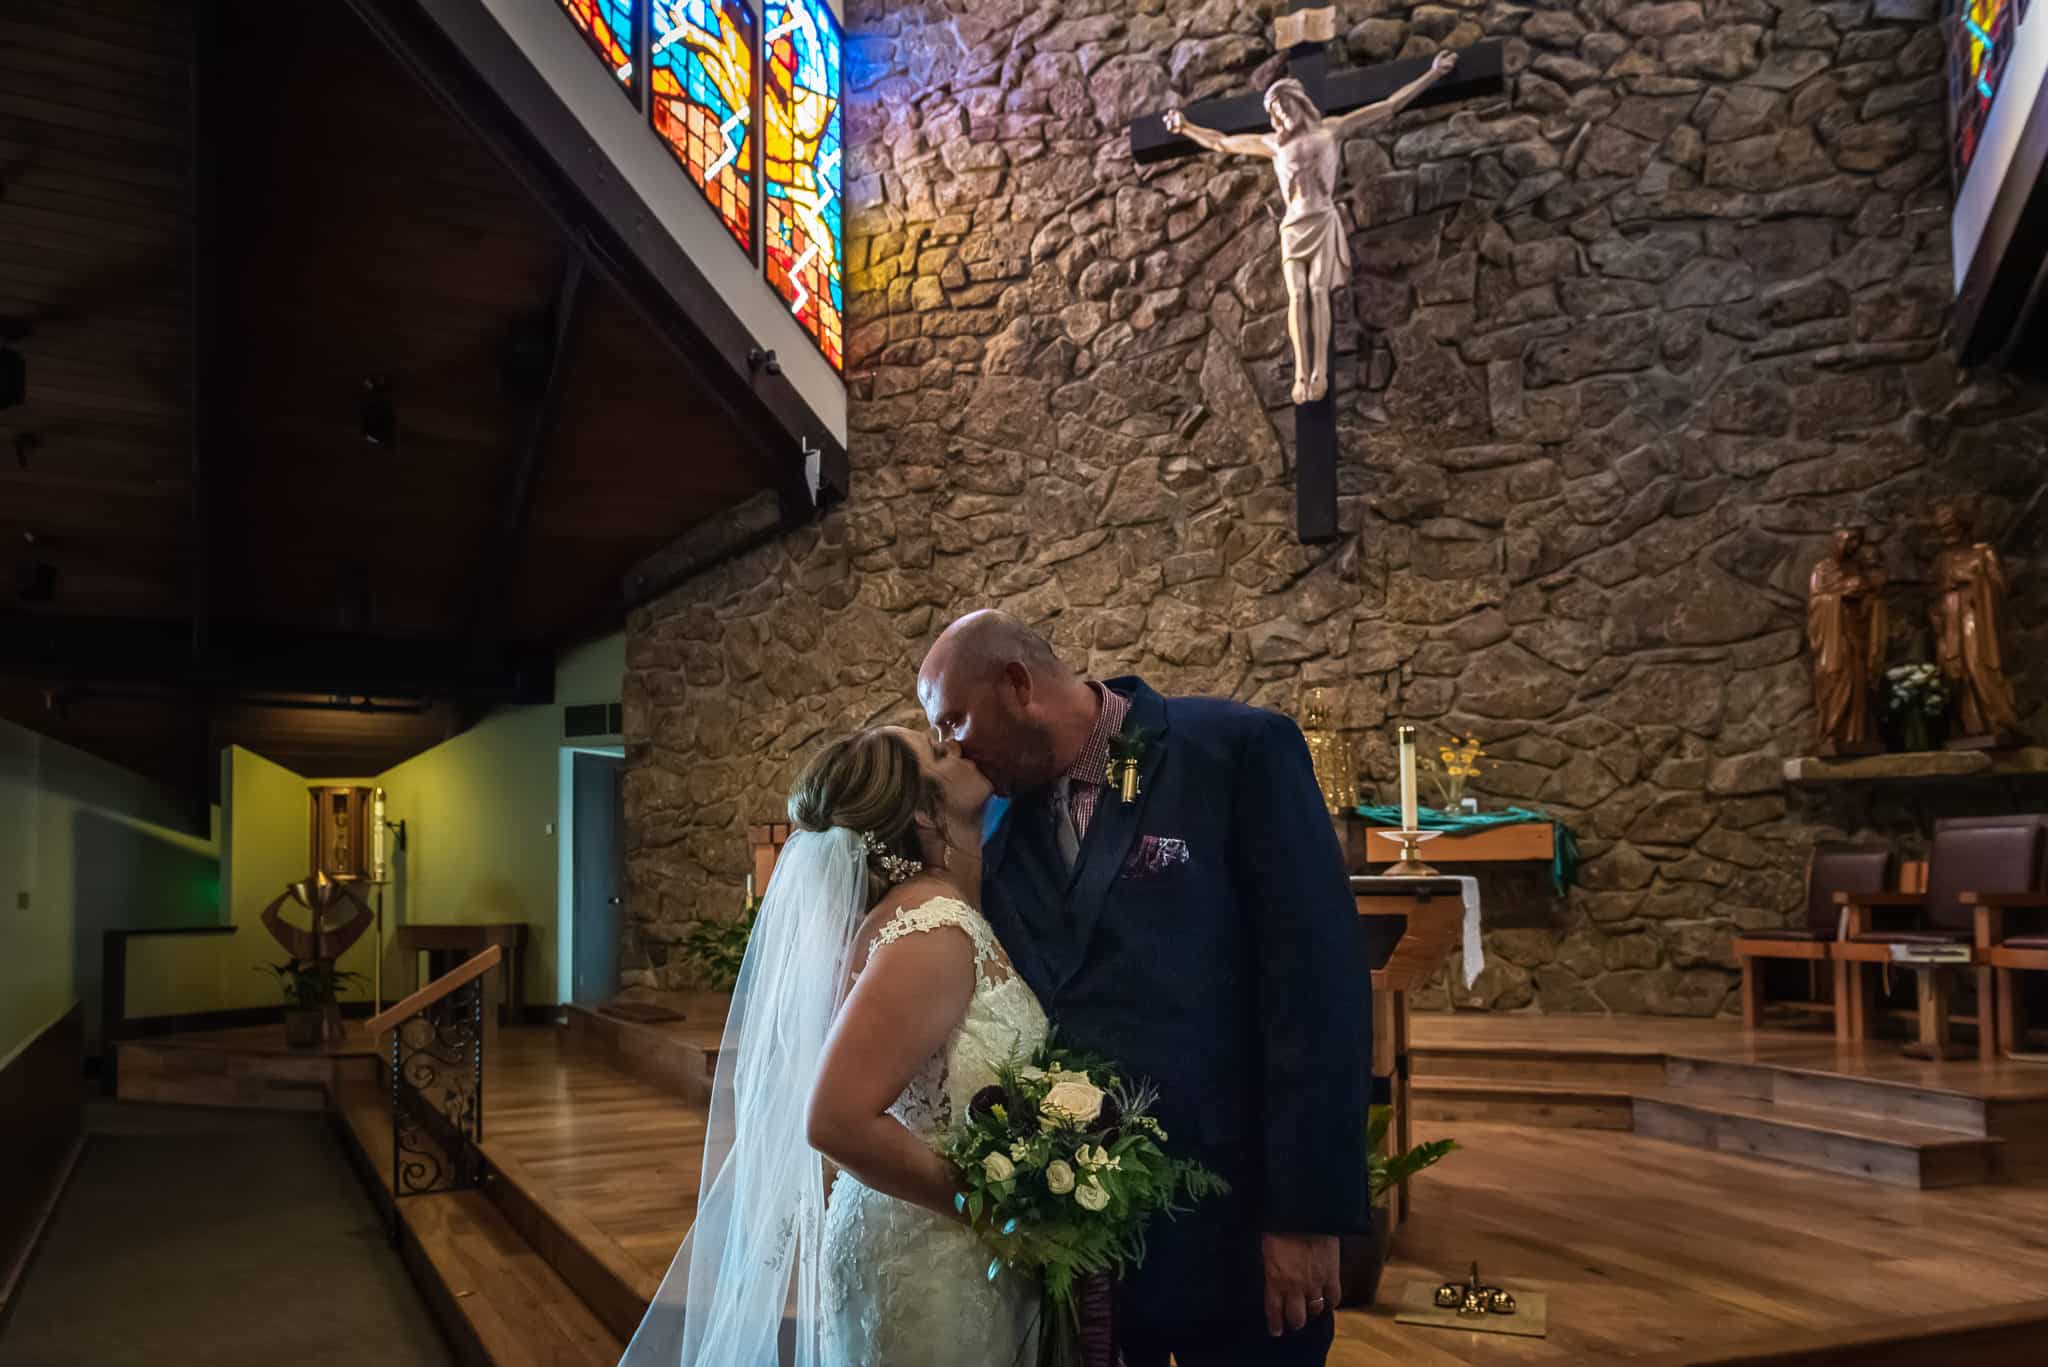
(801, 177)
(1979, 49)
(608, 27)
(701, 54)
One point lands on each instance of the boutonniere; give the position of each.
(1126, 753)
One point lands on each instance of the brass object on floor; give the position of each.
(1474, 1297)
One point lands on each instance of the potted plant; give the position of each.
(1363, 1257)
(714, 950)
(311, 987)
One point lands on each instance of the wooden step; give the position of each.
(590, 1261)
(1546, 1065)
(677, 1057)
(1450, 1101)
(498, 1300)
(179, 1073)
(1870, 1148)
(1879, 1098)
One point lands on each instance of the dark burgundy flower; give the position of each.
(986, 1100)
(1111, 1115)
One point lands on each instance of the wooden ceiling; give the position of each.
(201, 287)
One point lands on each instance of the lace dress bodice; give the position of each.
(904, 1285)
(1003, 1017)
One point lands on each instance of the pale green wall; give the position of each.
(265, 815)
(481, 812)
(592, 672)
(95, 848)
(36, 981)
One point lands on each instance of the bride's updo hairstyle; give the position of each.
(870, 782)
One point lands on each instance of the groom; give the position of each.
(1198, 936)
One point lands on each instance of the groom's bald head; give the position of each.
(995, 688)
(985, 643)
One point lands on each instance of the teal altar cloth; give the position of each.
(1564, 858)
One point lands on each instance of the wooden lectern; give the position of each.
(1404, 955)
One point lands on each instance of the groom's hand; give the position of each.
(1301, 1279)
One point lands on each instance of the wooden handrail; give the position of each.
(470, 970)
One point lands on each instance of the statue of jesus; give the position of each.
(1314, 251)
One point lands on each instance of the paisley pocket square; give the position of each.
(1154, 855)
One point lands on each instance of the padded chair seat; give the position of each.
(2024, 942)
(1806, 936)
(1913, 937)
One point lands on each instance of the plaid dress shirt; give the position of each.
(1086, 779)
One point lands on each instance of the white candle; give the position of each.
(1406, 735)
(377, 836)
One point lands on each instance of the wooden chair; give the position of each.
(1969, 858)
(1830, 869)
(2011, 938)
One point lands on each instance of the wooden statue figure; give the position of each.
(1846, 627)
(1969, 621)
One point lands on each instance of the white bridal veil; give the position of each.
(744, 1289)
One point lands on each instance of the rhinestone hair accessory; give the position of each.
(895, 867)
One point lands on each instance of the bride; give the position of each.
(873, 1003)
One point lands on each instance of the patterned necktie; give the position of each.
(1063, 823)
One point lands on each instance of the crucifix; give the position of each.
(1298, 124)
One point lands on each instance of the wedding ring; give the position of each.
(1318, 1303)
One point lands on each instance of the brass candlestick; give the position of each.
(1410, 864)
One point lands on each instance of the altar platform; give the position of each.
(1650, 1251)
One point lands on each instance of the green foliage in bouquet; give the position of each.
(1062, 1165)
(1385, 1170)
(714, 950)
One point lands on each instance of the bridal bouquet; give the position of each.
(1061, 1167)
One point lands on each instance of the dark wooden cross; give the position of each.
(1307, 30)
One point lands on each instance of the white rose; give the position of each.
(1059, 1178)
(1091, 1196)
(1075, 1100)
(998, 1168)
(1031, 1072)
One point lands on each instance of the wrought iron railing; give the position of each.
(437, 1081)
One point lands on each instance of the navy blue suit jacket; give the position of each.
(1228, 977)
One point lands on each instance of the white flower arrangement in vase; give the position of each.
(1915, 695)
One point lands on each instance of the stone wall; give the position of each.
(1622, 347)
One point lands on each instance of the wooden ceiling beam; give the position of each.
(500, 560)
(262, 659)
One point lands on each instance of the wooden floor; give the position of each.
(1644, 1248)
(1725, 1040)
(595, 1143)
(1647, 1248)
(268, 1040)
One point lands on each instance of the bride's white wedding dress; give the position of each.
(904, 1286)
